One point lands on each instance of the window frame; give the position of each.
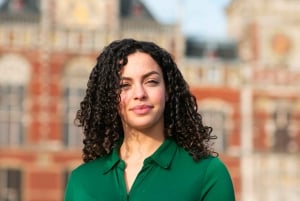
(12, 185)
(221, 131)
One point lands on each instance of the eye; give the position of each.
(152, 82)
(124, 85)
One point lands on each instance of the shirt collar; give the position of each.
(111, 160)
(163, 156)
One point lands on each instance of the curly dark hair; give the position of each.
(98, 114)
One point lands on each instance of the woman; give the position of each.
(144, 139)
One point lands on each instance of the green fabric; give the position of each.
(170, 174)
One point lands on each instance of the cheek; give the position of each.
(160, 97)
(124, 99)
(122, 104)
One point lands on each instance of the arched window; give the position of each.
(75, 81)
(14, 75)
(215, 114)
(216, 119)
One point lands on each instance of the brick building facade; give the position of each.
(47, 49)
(267, 35)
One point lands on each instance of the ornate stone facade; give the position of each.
(267, 36)
(47, 49)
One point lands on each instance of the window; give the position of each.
(72, 134)
(20, 6)
(134, 8)
(14, 75)
(11, 111)
(19, 11)
(216, 120)
(10, 184)
(75, 79)
(282, 139)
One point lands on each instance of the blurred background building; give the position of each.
(248, 89)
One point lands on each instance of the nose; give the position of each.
(139, 92)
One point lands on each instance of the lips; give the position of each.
(141, 109)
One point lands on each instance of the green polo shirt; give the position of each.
(169, 174)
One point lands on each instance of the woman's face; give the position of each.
(143, 93)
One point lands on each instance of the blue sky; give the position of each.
(201, 18)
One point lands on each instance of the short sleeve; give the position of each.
(217, 184)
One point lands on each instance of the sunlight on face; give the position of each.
(143, 93)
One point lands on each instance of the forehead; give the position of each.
(140, 63)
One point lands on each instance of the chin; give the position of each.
(142, 126)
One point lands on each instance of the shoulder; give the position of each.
(213, 168)
(214, 164)
(210, 174)
(89, 168)
(217, 183)
(203, 166)
(82, 177)
(210, 168)
(216, 167)
(182, 156)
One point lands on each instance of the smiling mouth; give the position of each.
(141, 110)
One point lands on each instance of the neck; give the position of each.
(139, 145)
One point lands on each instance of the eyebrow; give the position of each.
(144, 76)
